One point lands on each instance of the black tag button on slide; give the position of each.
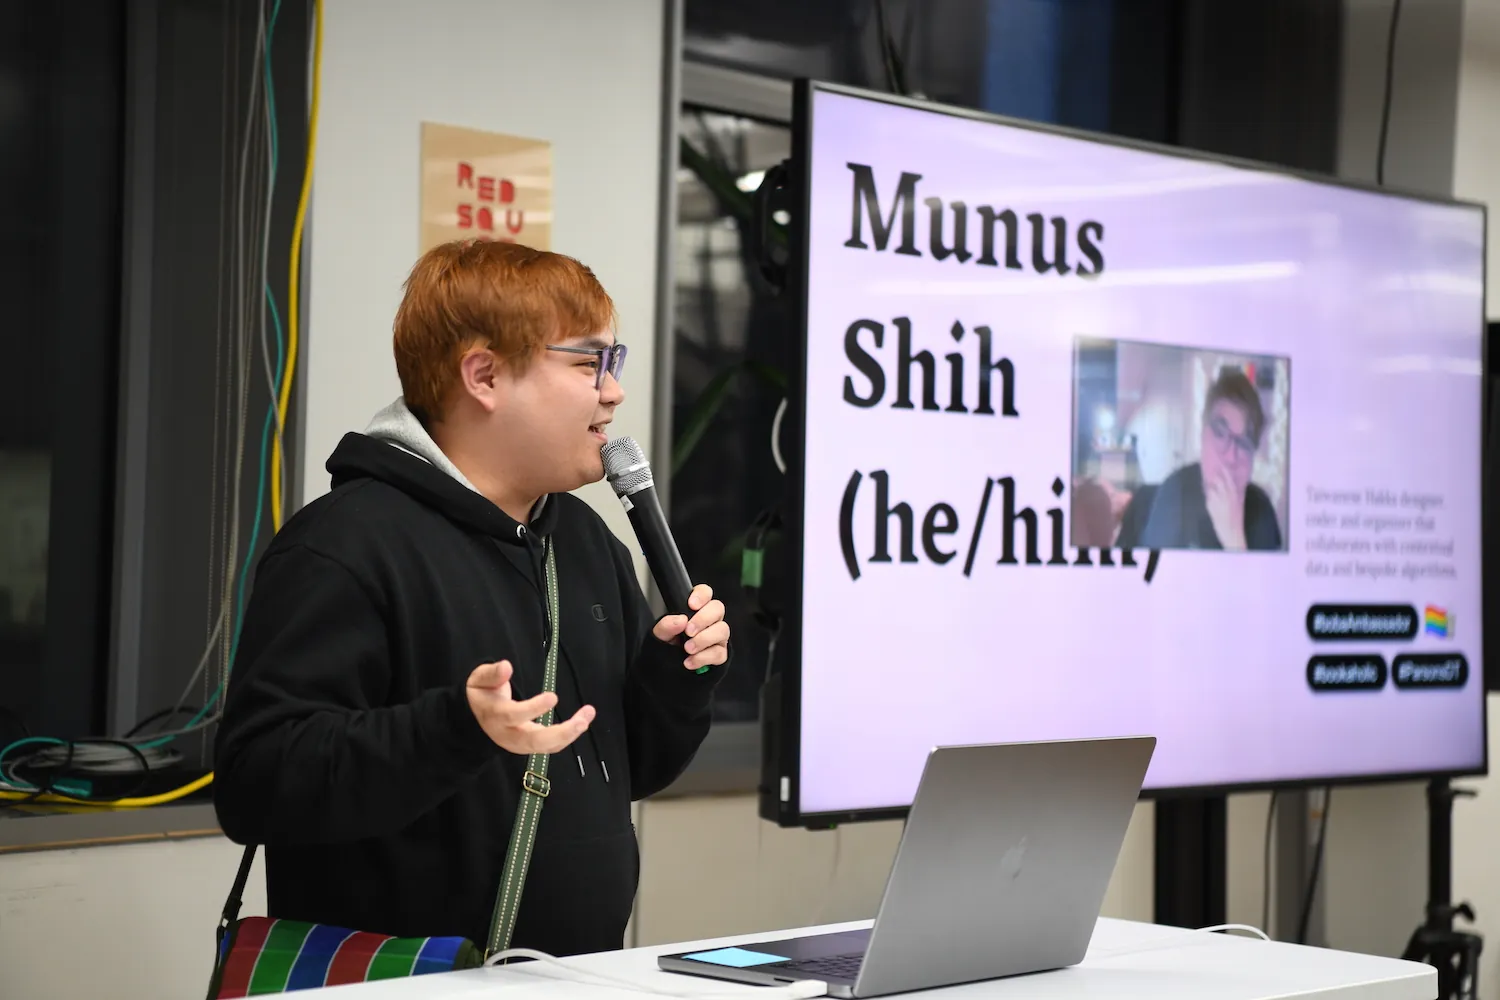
(1354, 672)
(1430, 670)
(1346, 622)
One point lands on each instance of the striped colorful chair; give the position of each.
(266, 956)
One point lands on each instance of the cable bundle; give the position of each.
(115, 771)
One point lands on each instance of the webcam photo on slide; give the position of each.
(1178, 448)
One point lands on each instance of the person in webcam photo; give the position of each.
(1212, 504)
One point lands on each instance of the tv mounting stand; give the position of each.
(1437, 942)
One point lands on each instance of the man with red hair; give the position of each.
(380, 727)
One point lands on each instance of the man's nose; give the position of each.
(611, 392)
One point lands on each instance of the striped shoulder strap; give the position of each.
(535, 787)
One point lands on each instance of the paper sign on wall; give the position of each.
(486, 185)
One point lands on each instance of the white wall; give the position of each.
(1419, 150)
(585, 75)
(128, 922)
(1476, 163)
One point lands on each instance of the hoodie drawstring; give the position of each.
(539, 566)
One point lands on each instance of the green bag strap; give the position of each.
(535, 788)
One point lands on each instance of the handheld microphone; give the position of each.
(629, 475)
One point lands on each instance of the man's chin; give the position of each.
(588, 474)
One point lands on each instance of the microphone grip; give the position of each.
(660, 550)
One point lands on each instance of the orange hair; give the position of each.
(509, 298)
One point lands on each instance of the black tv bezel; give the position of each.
(780, 791)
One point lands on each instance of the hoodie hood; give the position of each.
(396, 425)
(397, 450)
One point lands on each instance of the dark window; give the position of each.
(729, 369)
(61, 81)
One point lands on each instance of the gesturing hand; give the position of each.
(512, 724)
(707, 633)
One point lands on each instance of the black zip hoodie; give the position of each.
(347, 746)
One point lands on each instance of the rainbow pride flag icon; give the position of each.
(1437, 622)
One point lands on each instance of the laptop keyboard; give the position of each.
(836, 966)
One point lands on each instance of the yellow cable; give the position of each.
(138, 803)
(296, 262)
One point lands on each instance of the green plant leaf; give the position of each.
(711, 400)
(773, 377)
(705, 408)
(722, 184)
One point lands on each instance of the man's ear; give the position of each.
(479, 373)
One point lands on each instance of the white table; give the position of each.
(1171, 964)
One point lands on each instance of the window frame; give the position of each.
(729, 759)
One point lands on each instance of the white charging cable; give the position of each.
(806, 989)
(1177, 939)
(801, 990)
(776, 436)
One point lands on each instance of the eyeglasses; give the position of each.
(1244, 448)
(611, 360)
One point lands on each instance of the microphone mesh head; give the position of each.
(625, 466)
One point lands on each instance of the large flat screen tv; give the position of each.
(1096, 438)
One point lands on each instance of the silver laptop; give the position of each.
(1002, 867)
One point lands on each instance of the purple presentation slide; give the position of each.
(1102, 441)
